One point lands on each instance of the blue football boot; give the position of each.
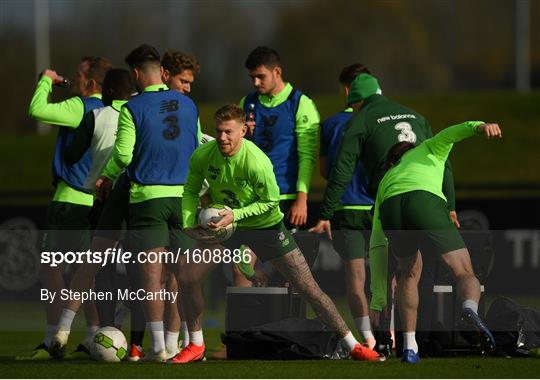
(481, 336)
(409, 356)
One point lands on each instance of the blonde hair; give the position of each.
(230, 112)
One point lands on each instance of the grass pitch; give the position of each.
(25, 322)
(15, 343)
(22, 323)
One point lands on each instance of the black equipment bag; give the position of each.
(287, 339)
(516, 329)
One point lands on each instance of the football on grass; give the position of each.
(109, 345)
(211, 214)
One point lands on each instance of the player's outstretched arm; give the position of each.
(490, 130)
(441, 144)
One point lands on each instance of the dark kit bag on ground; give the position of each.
(516, 329)
(288, 339)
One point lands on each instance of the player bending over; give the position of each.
(240, 176)
(411, 209)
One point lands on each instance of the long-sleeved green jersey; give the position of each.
(69, 114)
(245, 182)
(371, 132)
(421, 168)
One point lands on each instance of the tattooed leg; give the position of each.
(294, 268)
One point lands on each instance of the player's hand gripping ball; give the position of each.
(109, 345)
(211, 214)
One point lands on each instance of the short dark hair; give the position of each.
(350, 72)
(97, 68)
(143, 56)
(120, 82)
(396, 152)
(176, 62)
(230, 112)
(262, 56)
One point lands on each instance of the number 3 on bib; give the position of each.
(407, 133)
